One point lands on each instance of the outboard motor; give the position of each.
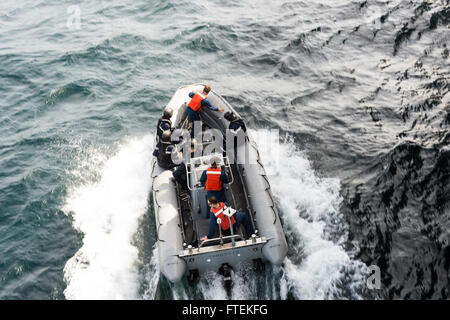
(258, 265)
(227, 272)
(193, 277)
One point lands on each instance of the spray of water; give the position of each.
(317, 266)
(107, 212)
(152, 275)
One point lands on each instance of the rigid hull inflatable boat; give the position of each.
(180, 213)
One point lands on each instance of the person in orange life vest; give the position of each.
(213, 179)
(220, 210)
(196, 104)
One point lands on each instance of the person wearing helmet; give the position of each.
(180, 173)
(236, 128)
(195, 106)
(166, 148)
(236, 124)
(213, 179)
(164, 123)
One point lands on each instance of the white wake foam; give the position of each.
(309, 207)
(107, 213)
(152, 275)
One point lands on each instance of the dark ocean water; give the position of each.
(359, 91)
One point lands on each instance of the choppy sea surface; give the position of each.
(359, 91)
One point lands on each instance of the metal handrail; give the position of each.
(233, 243)
(232, 236)
(220, 232)
(246, 196)
(215, 239)
(188, 173)
(226, 163)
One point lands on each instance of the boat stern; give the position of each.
(211, 258)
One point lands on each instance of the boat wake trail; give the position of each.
(317, 265)
(107, 212)
(152, 276)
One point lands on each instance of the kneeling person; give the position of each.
(220, 211)
(164, 124)
(165, 150)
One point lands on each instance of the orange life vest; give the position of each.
(196, 102)
(225, 221)
(213, 182)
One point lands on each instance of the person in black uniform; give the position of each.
(236, 124)
(164, 123)
(235, 128)
(165, 150)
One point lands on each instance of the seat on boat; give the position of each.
(195, 169)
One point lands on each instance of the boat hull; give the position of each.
(175, 258)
